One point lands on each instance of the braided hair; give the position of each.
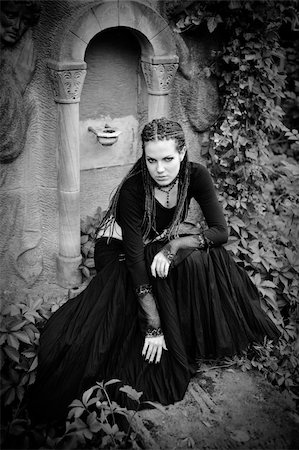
(156, 130)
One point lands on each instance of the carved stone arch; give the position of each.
(155, 36)
(159, 63)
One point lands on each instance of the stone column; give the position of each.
(68, 81)
(159, 74)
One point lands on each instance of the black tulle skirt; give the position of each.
(209, 308)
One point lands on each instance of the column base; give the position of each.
(68, 273)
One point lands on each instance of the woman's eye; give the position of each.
(150, 160)
(168, 159)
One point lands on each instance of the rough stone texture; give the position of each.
(20, 238)
(12, 115)
(198, 93)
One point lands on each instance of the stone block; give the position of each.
(86, 27)
(149, 23)
(73, 48)
(107, 14)
(69, 224)
(163, 43)
(157, 106)
(68, 273)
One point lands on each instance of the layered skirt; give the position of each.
(208, 306)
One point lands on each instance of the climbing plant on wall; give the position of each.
(257, 176)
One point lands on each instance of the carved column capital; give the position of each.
(159, 76)
(67, 80)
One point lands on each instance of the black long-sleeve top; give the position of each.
(130, 214)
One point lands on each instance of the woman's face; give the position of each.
(163, 160)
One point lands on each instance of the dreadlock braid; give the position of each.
(156, 130)
(110, 215)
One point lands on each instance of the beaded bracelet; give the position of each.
(154, 332)
(168, 254)
(143, 289)
(201, 241)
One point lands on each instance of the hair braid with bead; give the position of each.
(156, 130)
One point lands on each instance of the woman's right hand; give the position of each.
(153, 347)
(160, 265)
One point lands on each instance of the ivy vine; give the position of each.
(257, 178)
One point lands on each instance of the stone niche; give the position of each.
(115, 66)
(114, 93)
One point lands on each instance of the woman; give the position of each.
(160, 300)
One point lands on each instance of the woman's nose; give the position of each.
(160, 167)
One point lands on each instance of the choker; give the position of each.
(167, 189)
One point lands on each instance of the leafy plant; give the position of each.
(89, 227)
(95, 420)
(257, 183)
(278, 363)
(19, 338)
(251, 154)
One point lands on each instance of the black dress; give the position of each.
(208, 308)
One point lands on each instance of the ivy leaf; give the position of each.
(84, 238)
(131, 393)
(10, 309)
(17, 427)
(12, 353)
(10, 396)
(76, 412)
(113, 381)
(92, 401)
(291, 257)
(94, 425)
(13, 341)
(89, 262)
(76, 403)
(18, 326)
(212, 24)
(86, 395)
(268, 283)
(85, 272)
(33, 365)
(22, 336)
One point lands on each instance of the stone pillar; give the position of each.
(68, 81)
(159, 74)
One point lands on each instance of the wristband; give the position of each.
(167, 253)
(143, 289)
(153, 332)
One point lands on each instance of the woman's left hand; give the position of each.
(160, 265)
(153, 347)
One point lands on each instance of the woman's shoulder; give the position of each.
(198, 172)
(132, 186)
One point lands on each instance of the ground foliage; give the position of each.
(94, 421)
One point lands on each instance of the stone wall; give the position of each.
(29, 217)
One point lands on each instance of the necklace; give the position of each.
(167, 189)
